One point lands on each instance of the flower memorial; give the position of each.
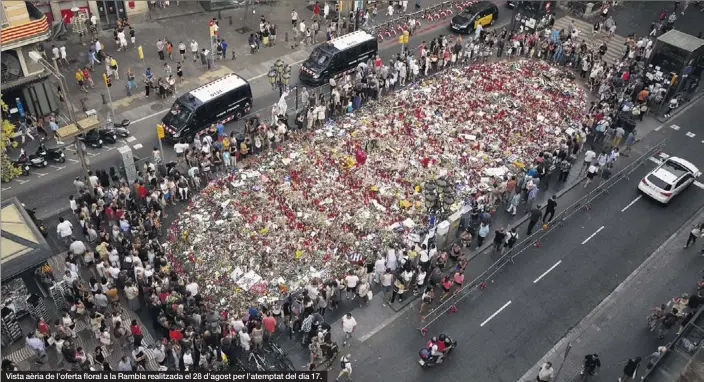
(345, 191)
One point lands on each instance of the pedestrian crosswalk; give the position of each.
(615, 44)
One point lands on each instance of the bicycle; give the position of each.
(258, 361)
(281, 357)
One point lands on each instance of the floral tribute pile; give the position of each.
(344, 191)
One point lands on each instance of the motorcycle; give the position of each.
(92, 139)
(120, 128)
(108, 136)
(55, 154)
(22, 163)
(32, 160)
(427, 360)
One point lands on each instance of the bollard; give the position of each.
(83, 104)
(129, 92)
(105, 101)
(230, 17)
(233, 54)
(286, 37)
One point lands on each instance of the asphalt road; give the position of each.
(504, 331)
(48, 189)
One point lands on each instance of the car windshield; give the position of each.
(319, 57)
(178, 116)
(674, 168)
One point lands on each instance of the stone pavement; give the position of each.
(616, 329)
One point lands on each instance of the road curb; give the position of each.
(680, 109)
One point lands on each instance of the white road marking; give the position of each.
(92, 154)
(592, 235)
(39, 174)
(546, 272)
(137, 146)
(57, 167)
(70, 148)
(698, 184)
(655, 160)
(632, 203)
(675, 127)
(658, 128)
(72, 160)
(20, 181)
(6, 188)
(691, 134)
(109, 148)
(664, 155)
(495, 313)
(130, 139)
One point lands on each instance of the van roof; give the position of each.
(220, 86)
(350, 39)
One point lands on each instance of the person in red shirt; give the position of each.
(175, 334)
(269, 324)
(136, 333)
(316, 11)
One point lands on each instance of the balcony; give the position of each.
(25, 33)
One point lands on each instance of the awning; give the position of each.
(22, 247)
(24, 81)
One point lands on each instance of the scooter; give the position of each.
(92, 139)
(22, 163)
(56, 155)
(34, 160)
(108, 136)
(120, 128)
(427, 360)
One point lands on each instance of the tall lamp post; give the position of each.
(54, 70)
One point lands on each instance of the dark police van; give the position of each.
(338, 56)
(222, 100)
(483, 13)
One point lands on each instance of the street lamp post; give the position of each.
(37, 58)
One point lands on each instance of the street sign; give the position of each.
(160, 131)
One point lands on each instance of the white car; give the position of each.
(668, 179)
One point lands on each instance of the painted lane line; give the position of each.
(72, 160)
(70, 148)
(57, 167)
(20, 181)
(130, 139)
(495, 313)
(546, 272)
(137, 146)
(631, 203)
(592, 235)
(658, 128)
(39, 174)
(655, 160)
(691, 134)
(664, 155)
(675, 127)
(6, 188)
(92, 154)
(109, 148)
(698, 184)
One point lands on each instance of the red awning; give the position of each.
(25, 30)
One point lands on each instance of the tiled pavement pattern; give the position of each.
(615, 45)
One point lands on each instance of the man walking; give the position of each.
(545, 372)
(346, 363)
(694, 234)
(535, 215)
(588, 159)
(630, 370)
(37, 345)
(550, 209)
(160, 49)
(348, 326)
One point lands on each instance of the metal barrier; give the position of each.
(532, 241)
(680, 351)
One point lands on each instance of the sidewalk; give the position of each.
(616, 328)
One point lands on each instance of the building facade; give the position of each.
(25, 85)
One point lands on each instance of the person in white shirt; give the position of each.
(114, 272)
(588, 159)
(245, 340)
(351, 281)
(348, 326)
(192, 288)
(545, 373)
(77, 247)
(391, 260)
(194, 50)
(55, 55)
(379, 268)
(64, 230)
(188, 359)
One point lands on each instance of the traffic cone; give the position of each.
(537, 244)
(453, 309)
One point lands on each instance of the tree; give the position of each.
(9, 170)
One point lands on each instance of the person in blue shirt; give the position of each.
(221, 130)
(223, 44)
